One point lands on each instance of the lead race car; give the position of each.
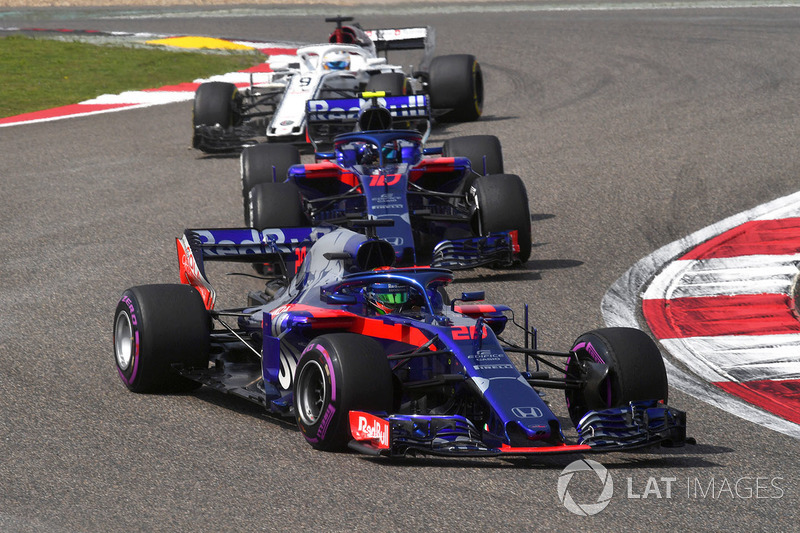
(449, 206)
(373, 357)
(226, 119)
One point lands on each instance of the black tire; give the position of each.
(265, 163)
(503, 206)
(156, 326)
(636, 370)
(455, 84)
(392, 83)
(216, 102)
(475, 148)
(275, 205)
(336, 374)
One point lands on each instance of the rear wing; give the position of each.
(325, 119)
(423, 38)
(285, 246)
(403, 38)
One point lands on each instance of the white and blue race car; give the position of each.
(226, 118)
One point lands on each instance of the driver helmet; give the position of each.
(336, 61)
(367, 154)
(387, 297)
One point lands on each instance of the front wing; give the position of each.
(639, 424)
(460, 254)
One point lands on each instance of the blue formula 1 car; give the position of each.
(450, 207)
(378, 358)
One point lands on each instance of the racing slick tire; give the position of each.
(336, 374)
(265, 163)
(635, 370)
(156, 327)
(455, 86)
(215, 102)
(502, 205)
(475, 148)
(276, 205)
(392, 83)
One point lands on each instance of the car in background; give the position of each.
(450, 206)
(226, 118)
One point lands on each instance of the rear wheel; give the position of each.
(336, 374)
(503, 206)
(265, 163)
(275, 205)
(635, 370)
(455, 85)
(216, 103)
(155, 327)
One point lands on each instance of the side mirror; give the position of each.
(339, 299)
(475, 296)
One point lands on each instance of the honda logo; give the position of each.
(527, 412)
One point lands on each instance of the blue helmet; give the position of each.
(336, 61)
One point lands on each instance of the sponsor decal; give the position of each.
(487, 355)
(288, 367)
(326, 421)
(127, 301)
(386, 198)
(527, 412)
(364, 426)
(348, 109)
(493, 367)
(394, 241)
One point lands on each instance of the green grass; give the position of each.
(41, 73)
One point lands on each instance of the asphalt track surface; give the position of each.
(631, 129)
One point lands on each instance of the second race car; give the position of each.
(450, 206)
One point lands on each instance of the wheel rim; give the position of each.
(312, 390)
(578, 401)
(123, 341)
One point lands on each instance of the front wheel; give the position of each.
(156, 327)
(216, 103)
(635, 370)
(336, 374)
(502, 203)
